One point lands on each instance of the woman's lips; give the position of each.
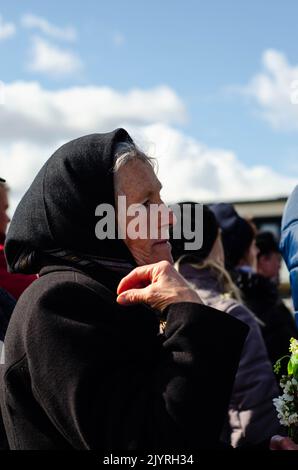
(161, 242)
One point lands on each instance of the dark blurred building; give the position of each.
(266, 214)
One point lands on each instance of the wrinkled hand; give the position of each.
(157, 285)
(282, 443)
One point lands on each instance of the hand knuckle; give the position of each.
(166, 265)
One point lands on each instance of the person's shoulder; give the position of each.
(223, 302)
(62, 294)
(61, 280)
(241, 312)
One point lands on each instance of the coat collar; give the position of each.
(104, 276)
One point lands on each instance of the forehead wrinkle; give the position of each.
(145, 184)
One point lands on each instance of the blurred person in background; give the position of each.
(269, 257)
(289, 244)
(269, 265)
(251, 417)
(15, 284)
(259, 293)
(289, 250)
(7, 302)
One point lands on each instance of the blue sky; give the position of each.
(201, 50)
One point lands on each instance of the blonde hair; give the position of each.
(228, 287)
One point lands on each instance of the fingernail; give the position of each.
(122, 299)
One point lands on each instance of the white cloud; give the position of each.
(190, 170)
(7, 30)
(35, 121)
(53, 60)
(39, 115)
(272, 90)
(119, 39)
(20, 162)
(68, 33)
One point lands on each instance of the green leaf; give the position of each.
(293, 366)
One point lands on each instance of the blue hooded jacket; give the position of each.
(289, 244)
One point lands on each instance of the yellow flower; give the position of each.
(293, 346)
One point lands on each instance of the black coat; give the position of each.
(7, 304)
(262, 297)
(83, 372)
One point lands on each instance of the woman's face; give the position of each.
(270, 265)
(137, 181)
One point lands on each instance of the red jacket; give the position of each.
(15, 284)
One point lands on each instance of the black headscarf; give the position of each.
(56, 216)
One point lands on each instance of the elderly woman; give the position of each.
(86, 369)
